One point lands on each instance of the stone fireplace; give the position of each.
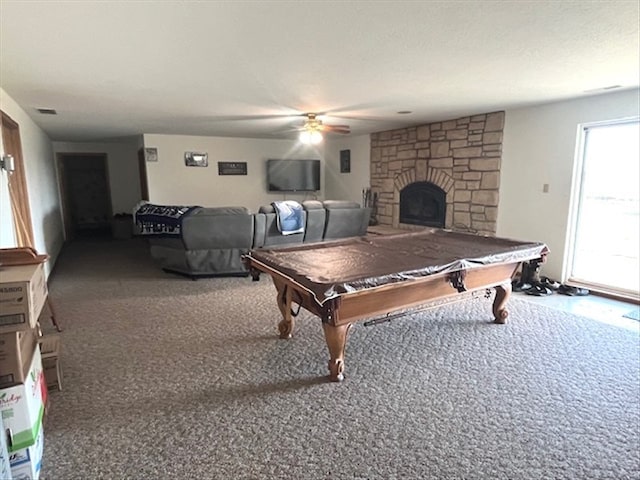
(445, 169)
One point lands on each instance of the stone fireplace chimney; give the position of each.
(445, 169)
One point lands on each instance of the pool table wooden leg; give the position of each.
(336, 338)
(285, 296)
(503, 292)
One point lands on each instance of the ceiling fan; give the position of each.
(311, 131)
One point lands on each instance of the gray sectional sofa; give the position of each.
(213, 240)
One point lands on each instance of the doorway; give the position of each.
(605, 238)
(84, 183)
(20, 211)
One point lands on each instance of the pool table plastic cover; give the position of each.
(330, 269)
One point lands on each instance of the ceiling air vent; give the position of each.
(47, 111)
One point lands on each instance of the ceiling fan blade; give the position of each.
(288, 130)
(231, 118)
(337, 128)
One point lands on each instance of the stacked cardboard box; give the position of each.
(5, 468)
(23, 390)
(50, 351)
(22, 410)
(23, 291)
(16, 351)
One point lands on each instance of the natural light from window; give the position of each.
(607, 233)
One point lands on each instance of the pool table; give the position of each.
(360, 278)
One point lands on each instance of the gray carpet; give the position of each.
(169, 378)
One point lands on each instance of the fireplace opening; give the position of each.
(423, 203)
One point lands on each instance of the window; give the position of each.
(605, 243)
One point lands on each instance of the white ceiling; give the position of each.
(114, 69)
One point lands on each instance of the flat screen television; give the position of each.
(293, 175)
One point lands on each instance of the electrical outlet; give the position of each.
(545, 188)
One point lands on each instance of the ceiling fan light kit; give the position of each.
(310, 137)
(313, 127)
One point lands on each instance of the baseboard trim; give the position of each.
(603, 291)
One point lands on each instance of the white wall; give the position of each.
(347, 186)
(42, 185)
(173, 183)
(7, 232)
(122, 161)
(540, 148)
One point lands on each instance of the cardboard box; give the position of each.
(50, 352)
(52, 374)
(26, 463)
(23, 291)
(22, 407)
(16, 350)
(5, 467)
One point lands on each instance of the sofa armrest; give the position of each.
(316, 218)
(218, 228)
(266, 209)
(259, 229)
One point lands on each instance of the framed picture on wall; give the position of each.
(345, 161)
(232, 168)
(151, 154)
(196, 159)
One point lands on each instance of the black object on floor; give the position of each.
(549, 283)
(633, 314)
(573, 291)
(518, 286)
(539, 290)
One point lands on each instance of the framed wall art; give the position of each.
(345, 161)
(196, 159)
(151, 154)
(232, 168)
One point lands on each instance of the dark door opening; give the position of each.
(86, 194)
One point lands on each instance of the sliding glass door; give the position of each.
(606, 231)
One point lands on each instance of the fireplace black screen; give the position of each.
(423, 203)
